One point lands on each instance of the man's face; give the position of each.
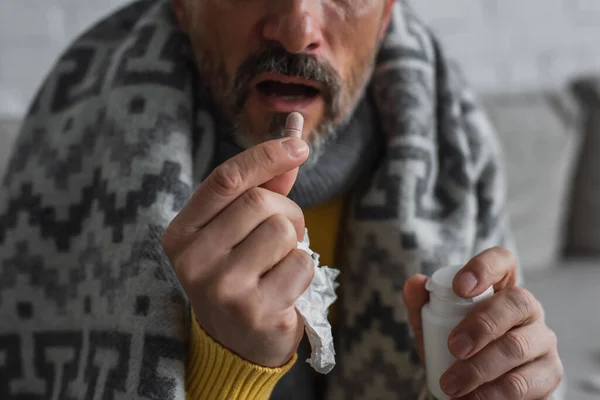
(263, 59)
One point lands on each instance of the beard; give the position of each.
(231, 92)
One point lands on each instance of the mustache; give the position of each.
(276, 60)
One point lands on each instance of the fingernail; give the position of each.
(449, 384)
(296, 148)
(467, 281)
(461, 345)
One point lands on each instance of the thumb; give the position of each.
(283, 184)
(415, 297)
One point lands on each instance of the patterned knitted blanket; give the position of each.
(114, 144)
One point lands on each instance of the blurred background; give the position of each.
(536, 67)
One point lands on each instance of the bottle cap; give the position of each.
(440, 284)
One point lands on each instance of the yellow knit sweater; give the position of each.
(215, 373)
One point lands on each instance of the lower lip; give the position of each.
(278, 104)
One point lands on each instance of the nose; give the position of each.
(295, 25)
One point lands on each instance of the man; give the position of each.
(171, 115)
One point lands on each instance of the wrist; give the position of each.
(215, 372)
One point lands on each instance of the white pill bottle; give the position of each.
(440, 316)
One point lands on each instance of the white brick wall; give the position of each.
(512, 45)
(502, 44)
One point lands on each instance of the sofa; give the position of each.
(551, 142)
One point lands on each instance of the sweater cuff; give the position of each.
(214, 372)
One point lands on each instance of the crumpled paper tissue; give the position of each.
(313, 305)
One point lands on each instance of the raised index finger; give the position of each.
(235, 176)
(494, 267)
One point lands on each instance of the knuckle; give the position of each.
(297, 212)
(255, 199)
(480, 395)
(226, 180)
(487, 263)
(506, 254)
(485, 323)
(268, 156)
(182, 264)
(179, 230)
(168, 244)
(288, 322)
(297, 218)
(522, 300)
(476, 372)
(283, 229)
(192, 257)
(516, 385)
(516, 346)
(483, 266)
(176, 236)
(304, 263)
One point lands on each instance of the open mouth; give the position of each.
(287, 91)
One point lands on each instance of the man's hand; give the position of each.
(234, 250)
(504, 349)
